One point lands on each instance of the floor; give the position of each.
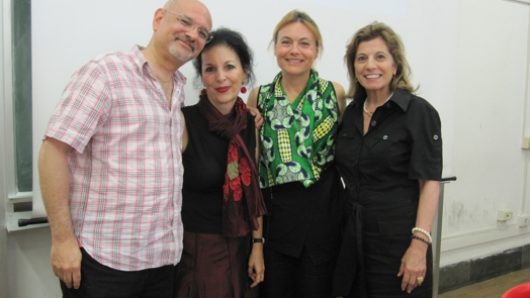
(491, 288)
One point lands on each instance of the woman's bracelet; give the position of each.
(421, 239)
(422, 231)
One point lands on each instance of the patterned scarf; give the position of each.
(242, 200)
(297, 138)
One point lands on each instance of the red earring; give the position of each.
(243, 89)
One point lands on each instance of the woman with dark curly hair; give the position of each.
(222, 203)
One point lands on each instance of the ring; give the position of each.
(419, 280)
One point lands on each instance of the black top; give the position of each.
(204, 163)
(403, 144)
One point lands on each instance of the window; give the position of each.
(16, 114)
(17, 93)
(21, 90)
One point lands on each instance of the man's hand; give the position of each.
(66, 262)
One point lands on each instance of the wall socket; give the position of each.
(526, 143)
(504, 215)
(523, 220)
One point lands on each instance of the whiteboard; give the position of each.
(67, 33)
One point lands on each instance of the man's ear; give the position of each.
(158, 18)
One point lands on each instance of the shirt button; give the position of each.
(374, 123)
(435, 137)
(385, 137)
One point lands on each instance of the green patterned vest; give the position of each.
(297, 140)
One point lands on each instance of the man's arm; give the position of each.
(54, 176)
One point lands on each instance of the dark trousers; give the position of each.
(296, 277)
(99, 281)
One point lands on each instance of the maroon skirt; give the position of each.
(214, 266)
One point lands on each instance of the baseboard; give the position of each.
(476, 270)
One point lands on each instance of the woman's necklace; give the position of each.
(371, 113)
(366, 110)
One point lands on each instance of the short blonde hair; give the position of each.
(395, 46)
(299, 16)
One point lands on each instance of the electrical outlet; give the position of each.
(523, 220)
(504, 215)
(526, 143)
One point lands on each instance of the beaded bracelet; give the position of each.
(424, 232)
(421, 239)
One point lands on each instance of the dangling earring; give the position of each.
(243, 89)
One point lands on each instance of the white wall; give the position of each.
(469, 56)
(29, 271)
(487, 118)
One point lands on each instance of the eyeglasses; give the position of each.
(190, 24)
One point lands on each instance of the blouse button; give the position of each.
(374, 123)
(385, 137)
(435, 137)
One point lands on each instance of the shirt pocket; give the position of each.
(391, 148)
(348, 148)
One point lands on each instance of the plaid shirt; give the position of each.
(125, 192)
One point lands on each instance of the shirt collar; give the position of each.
(142, 65)
(400, 98)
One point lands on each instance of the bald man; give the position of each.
(110, 164)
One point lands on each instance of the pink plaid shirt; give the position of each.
(125, 193)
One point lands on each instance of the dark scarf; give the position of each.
(242, 200)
